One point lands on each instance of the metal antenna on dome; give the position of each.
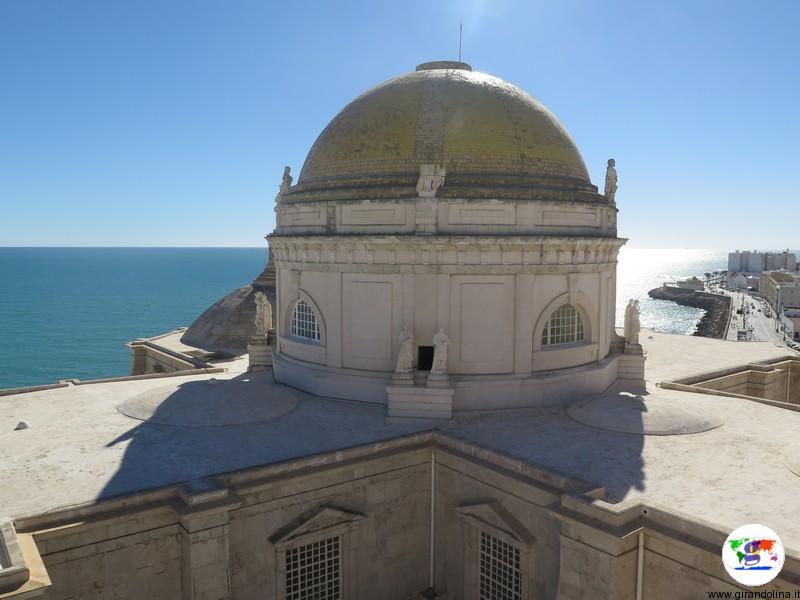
(460, 29)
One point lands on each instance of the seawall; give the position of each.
(714, 323)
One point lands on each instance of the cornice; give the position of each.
(439, 253)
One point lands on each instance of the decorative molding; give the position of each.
(371, 214)
(302, 216)
(320, 522)
(332, 253)
(474, 213)
(427, 213)
(495, 519)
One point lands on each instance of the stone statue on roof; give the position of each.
(405, 357)
(263, 313)
(440, 343)
(431, 178)
(286, 184)
(611, 180)
(632, 325)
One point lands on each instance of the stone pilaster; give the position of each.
(138, 357)
(205, 524)
(585, 566)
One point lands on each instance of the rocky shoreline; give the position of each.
(714, 323)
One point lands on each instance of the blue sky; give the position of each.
(168, 122)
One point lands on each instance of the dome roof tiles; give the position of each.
(479, 127)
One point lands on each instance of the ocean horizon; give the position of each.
(68, 312)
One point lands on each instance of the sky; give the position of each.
(168, 122)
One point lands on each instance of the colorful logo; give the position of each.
(753, 554)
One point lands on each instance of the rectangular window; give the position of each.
(500, 574)
(313, 571)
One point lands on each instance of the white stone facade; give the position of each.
(404, 517)
(493, 297)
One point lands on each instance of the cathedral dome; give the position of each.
(444, 224)
(493, 139)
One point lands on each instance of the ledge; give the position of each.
(22, 572)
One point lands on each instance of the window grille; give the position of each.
(500, 572)
(564, 327)
(304, 322)
(313, 571)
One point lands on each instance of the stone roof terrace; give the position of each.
(81, 449)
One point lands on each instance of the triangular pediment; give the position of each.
(315, 521)
(494, 516)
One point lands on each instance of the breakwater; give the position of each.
(714, 323)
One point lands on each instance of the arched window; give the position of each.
(304, 322)
(564, 327)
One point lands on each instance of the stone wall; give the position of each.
(517, 507)
(229, 538)
(669, 571)
(389, 546)
(148, 358)
(134, 555)
(777, 380)
(682, 561)
(227, 543)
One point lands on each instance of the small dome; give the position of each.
(227, 325)
(483, 130)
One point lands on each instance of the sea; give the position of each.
(68, 312)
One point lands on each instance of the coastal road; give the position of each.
(763, 328)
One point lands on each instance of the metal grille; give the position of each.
(313, 571)
(565, 326)
(304, 322)
(501, 577)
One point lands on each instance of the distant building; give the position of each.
(780, 260)
(742, 281)
(781, 289)
(758, 262)
(746, 262)
(737, 281)
(692, 283)
(791, 323)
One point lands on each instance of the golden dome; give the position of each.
(487, 133)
